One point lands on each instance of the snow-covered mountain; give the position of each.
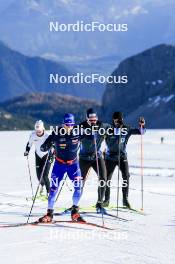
(150, 91)
(24, 26)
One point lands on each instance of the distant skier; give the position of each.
(162, 140)
(66, 161)
(116, 153)
(91, 154)
(37, 138)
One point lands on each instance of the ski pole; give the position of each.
(41, 177)
(30, 176)
(141, 165)
(118, 174)
(61, 188)
(98, 172)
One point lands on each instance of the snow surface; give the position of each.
(145, 239)
(155, 101)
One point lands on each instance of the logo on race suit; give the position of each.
(62, 139)
(62, 146)
(116, 138)
(75, 141)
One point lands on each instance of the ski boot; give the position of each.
(41, 190)
(68, 210)
(47, 218)
(105, 204)
(100, 209)
(126, 203)
(76, 217)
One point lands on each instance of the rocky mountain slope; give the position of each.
(20, 74)
(21, 112)
(150, 90)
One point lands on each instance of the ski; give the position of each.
(37, 223)
(83, 223)
(129, 209)
(20, 205)
(117, 217)
(107, 214)
(42, 198)
(68, 211)
(19, 224)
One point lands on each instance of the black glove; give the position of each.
(51, 158)
(26, 153)
(141, 121)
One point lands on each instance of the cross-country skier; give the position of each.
(37, 138)
(66, 144)
(91, 154)
(116, 154)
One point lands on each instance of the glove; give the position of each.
(26, 153)
(141, 121)
(51, 159)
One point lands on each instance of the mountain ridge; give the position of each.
(20, 74)
(50, 107)
(151, 86)
(149, 23)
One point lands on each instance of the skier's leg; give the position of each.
(85, 166)
(124, 167)
(102, 178)
(110, 167)
(39, 167)
(56, 177)
(74, 174)
(46, 174)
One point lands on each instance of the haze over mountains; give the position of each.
(24, 27)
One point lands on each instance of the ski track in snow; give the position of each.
(146, 239)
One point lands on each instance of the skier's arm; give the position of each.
(47, 144)
(141, 130)
(29, 145)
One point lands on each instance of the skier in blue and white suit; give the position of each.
(66, 161)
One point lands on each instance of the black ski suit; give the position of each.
(116, 155)
(89, 145)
